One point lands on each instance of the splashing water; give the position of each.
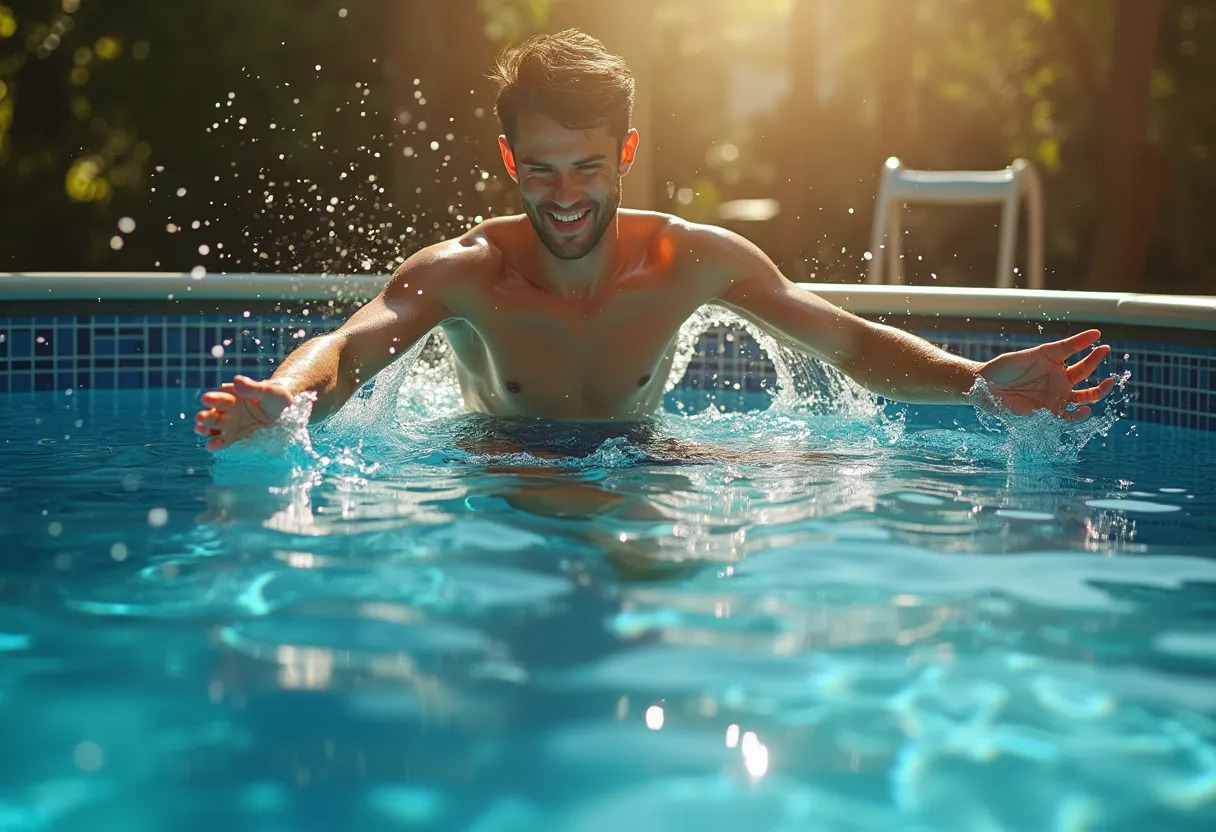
(804, 384)
(1043, 440)
(417, 403)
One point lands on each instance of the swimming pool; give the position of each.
(811, 617)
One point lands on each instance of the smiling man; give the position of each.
(571, 310)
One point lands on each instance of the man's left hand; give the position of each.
(1039, 378)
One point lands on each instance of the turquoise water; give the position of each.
(808, 619)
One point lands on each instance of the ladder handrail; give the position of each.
(1006, 187)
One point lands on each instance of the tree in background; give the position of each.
(238, 136)
(1133, 176)
(113, 114)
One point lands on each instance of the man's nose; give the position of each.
(565, 194)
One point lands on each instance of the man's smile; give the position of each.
(567, 221)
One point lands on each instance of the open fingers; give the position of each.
(1082, 369)
(209, 422)
(1060, 350)
(1076, 415)
(219, 400)
(209, 418)
(1093, 394)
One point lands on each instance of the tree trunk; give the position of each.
(1129, 205)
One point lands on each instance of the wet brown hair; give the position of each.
(569, 77)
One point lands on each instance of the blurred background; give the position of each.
(341, 135)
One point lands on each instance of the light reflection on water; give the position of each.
(764, 621)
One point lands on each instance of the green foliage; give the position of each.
(113, 108)
(108, 109)
(510, 20)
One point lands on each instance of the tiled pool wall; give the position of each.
(1171, 383)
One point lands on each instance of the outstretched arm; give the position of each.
(889, 361)
(334, 365)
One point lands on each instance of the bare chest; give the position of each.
(531, 353)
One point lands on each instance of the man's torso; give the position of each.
(524, 350)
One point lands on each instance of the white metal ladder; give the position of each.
(1005, 187)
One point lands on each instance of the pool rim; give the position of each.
(1192, 312)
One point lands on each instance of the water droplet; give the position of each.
(158, 517)
(88, 756)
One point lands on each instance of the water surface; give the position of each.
(759, 620)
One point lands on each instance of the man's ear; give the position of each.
(508, 157)
(629, 150)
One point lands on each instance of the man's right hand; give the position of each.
(237, 410)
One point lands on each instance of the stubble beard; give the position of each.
(566, 249)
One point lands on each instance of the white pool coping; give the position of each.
(1181, 311)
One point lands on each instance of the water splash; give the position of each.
(1042, 439)
(416, 403)
(287, 440)
(804, 384)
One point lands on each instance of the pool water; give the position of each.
(757, 620)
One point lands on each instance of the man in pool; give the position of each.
(570, 311)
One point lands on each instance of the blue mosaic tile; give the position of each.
(1170, 383)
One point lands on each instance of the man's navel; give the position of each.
(643, 380)
(513, 387)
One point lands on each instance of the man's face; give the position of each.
(569, 181)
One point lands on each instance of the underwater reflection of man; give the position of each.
(570, 310)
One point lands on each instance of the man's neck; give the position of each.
(582, 277)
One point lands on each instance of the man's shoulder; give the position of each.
(669, 238)
(701, 249)
(466, 260)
